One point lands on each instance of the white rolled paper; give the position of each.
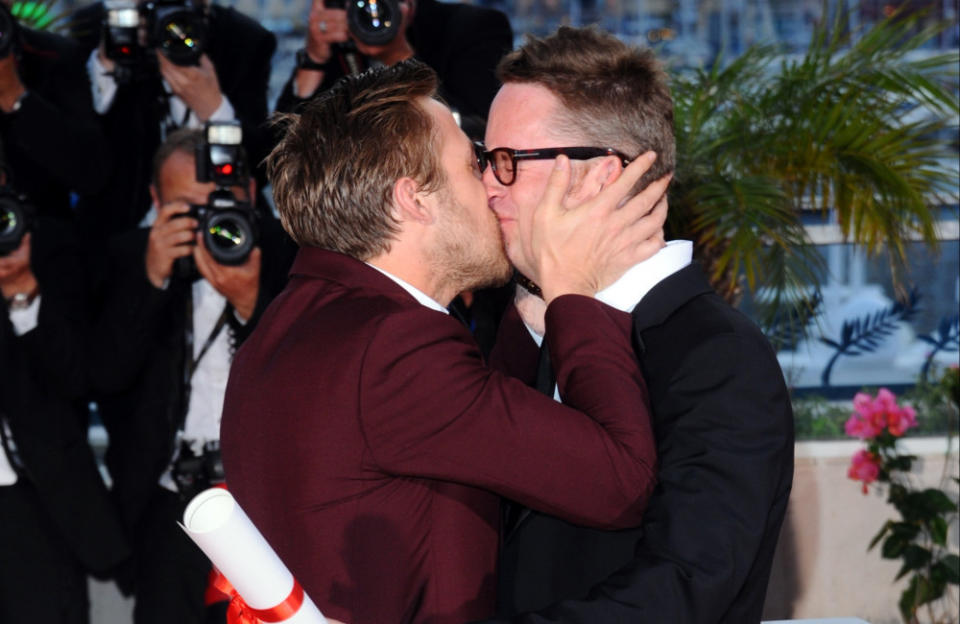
(222, 530)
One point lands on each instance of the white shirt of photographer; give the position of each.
(104, 89)
(209, 383)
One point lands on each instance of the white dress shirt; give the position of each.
(628, 291)
(104, 89)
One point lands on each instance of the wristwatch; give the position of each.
(305, 62)
(21, 300)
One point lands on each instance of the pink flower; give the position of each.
(864, 466)
(860, 428)
(874, 415)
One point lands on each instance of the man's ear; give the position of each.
(600, 172)
(411, 204)
(155, 196)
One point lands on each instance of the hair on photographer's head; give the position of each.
(334, 170)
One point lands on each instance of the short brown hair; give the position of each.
(185, 140)
(334, 170)
(613, 95)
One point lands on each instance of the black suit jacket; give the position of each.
(54, 143)
(240, 49)
(724, 431)
(462, 43)
(137, 370)
(42, 391)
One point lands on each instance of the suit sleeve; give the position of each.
(56, 127)
(466, 423)
(716, 486)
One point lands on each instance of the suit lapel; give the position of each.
(667, 296)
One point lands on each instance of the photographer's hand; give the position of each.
(16, 276)
(196, 86)
(170, 238)
(324, 28)
(11, 88)
(239, 284)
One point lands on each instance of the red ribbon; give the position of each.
(239, 612)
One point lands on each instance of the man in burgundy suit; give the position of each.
(362, 432)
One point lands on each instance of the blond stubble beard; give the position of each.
(467, 259)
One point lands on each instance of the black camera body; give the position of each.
(16, 219)
(9, 35)
(195, 473)
(177, 28)
(230, 226)
(373, 22)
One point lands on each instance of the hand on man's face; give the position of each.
(584, 248)
(240, 284)
(196, 85)
(170, 238)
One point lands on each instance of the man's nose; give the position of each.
(492, 184)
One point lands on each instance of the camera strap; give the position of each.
(191, 363)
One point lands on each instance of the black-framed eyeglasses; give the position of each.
(503, 160)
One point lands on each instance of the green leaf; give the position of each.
(951, 565)
(938, 530)
(894, 546)
(936, 500)
(879, 536)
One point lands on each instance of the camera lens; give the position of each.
(374, 22)
(229, 236)
(13, 225)
(179, 34)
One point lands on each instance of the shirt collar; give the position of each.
(415, 292)
(625, 293)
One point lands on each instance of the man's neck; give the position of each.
(416, 272)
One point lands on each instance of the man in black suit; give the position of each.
(721, 411)
(53, 141)
(462, 43)
(57, 523)
(166, 339)
(229, 83)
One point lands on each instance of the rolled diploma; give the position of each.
(222, 530)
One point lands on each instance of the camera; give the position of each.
(373, 22)
(230, 226)
(16, 219)
(195, 473)
(8, 31)
(177, 28)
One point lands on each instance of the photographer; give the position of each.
(228, 81)
(173, 317)
(58, 523)
(53, 142)
(462, 43)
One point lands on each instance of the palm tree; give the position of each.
(767, 136)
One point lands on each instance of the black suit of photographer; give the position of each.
(53, 140)
(139, 380)
(462, 43)
(57, 520)
(240, 50)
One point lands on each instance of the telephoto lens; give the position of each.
(229, 227)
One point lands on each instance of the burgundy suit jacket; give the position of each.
(367, 440)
